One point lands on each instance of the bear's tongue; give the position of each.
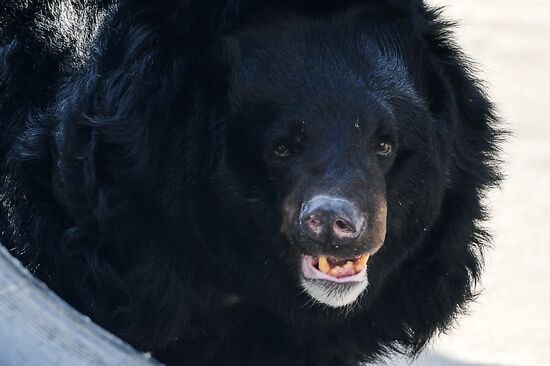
(340, 267)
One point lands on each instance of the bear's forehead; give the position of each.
(310, 59)
(346, 40)
(325, 88)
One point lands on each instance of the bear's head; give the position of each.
(335, 159)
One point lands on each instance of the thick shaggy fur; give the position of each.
(135, 184)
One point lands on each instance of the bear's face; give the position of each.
(329, 158)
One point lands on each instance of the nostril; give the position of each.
(314, 224)
(342, 226)
(344, 229)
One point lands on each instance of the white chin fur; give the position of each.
(334, 294)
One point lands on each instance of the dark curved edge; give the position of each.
(37, 328)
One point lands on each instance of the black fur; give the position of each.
(136, 182)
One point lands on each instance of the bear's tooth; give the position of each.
(335, 272)
(361, 262)
(323, 264)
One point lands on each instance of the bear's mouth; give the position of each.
(334, 269)
(333, 281)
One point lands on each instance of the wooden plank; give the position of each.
(37, 328)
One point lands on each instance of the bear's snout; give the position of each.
(331, 221)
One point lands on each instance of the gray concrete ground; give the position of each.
(510, 323)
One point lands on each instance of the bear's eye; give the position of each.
(282, 151)
(384, 148)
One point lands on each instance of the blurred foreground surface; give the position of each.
(510, 323)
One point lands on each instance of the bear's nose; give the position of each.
(331, 221)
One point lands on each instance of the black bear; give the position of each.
(238, 182)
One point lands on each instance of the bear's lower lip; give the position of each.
(334, 291)
(350, 270)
